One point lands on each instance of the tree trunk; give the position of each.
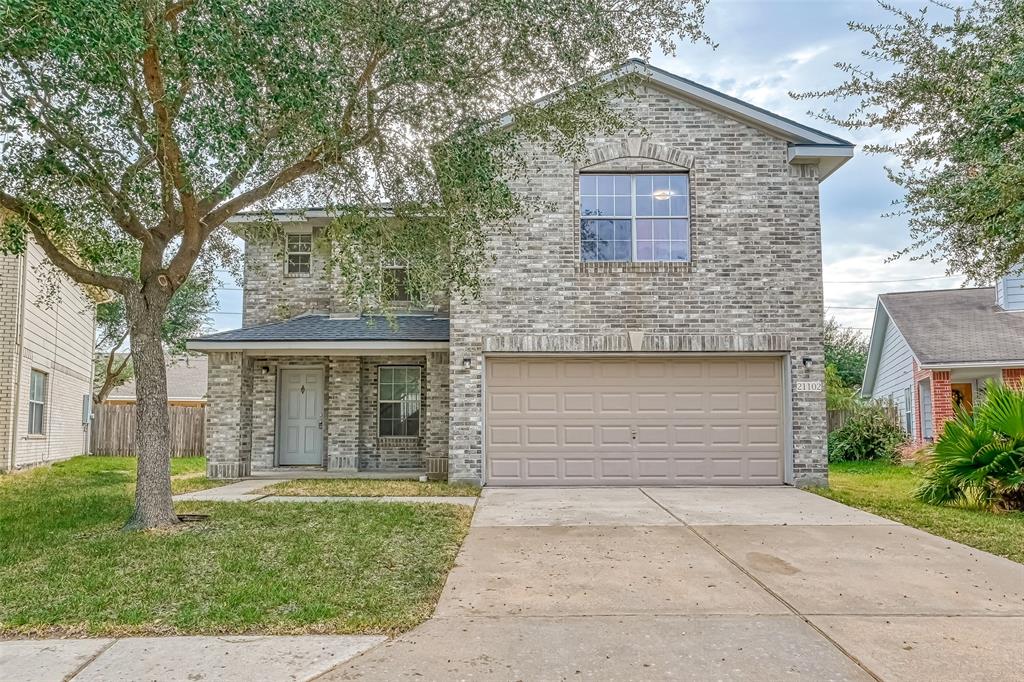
(153, 505)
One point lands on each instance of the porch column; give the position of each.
(342, 411)
(919, 375)
(942, 400)
(228, 416)
(438, 397)
(1014, 377)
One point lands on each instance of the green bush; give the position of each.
(979, 457)
(868, 433)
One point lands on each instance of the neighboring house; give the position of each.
(46, 349)
(186, 384)
(662, 325)
(931, 350)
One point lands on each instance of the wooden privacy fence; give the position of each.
(837, 418)
(113, 431)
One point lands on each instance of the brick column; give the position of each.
(942, 400)
(342, 411)
(1014, 377)
(228, 416)
(437, 400)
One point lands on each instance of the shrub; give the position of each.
(979, 457)
(868, 433)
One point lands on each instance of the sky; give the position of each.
(767, 49)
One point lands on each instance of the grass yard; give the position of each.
(887, 490)
(360, 487)
(66, 568)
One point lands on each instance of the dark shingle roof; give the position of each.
(326, 328)
(957, 325)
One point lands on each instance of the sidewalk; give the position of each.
(249, 491)
(172, 659)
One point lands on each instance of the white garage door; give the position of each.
(607, 421)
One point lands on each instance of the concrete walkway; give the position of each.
(177, 659)
(702, 583)
(251, 490)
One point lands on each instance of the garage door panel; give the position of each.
(621, 421)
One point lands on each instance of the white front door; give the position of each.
(300, 417)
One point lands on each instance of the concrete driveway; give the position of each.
(707, 583)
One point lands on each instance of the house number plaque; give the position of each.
(809, 386)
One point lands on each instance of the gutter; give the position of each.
(286, 346)
(995, 364)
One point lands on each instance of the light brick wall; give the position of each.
(754, 282)
(10, 312)
(242, 431)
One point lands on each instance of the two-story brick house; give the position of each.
(663, 325)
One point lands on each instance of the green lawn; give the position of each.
(886, 489)
(66, 568)
(359, 487)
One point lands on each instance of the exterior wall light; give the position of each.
(467, 362)
(808, 361)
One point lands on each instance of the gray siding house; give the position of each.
(46, 349)
(933, 350)
(662, 325)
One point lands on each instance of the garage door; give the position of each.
(601, 421)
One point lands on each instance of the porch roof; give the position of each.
(326, 332)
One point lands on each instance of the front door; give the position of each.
(300, 417)
(963, 396)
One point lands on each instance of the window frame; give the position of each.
(633, 175)
(419, 401)
(37, 405)
(289, 252)
(401, 284)
(908, 416)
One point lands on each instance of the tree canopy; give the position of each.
(132, 131)
(846, 350)
(948, 93)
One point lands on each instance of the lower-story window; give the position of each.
(398, 401)
(36, 402)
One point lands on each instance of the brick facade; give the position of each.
(755, 272)
(754, 284)
(1014, 376)
(242, 412)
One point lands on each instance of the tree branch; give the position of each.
(75, 271)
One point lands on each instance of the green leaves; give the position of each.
(979, 457)
(948, 94)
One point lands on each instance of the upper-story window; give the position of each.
(639, 217)
(397, 285)
(298, 253)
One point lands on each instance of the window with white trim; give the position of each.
(642, 217)
(398, 401)
(36, 402)
(908, 413)
(298, 253)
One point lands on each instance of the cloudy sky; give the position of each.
(766, 49)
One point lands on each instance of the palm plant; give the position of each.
(979, 458)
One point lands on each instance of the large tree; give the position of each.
(946, 83)
(846, 350)
(132, 130)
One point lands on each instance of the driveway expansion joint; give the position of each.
(767, 589)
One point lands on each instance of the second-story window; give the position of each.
(298, 254)
(639, 217)
(397, 284)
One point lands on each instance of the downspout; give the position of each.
(19, 344)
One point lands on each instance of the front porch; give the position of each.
(317, 396)
(939, 392)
